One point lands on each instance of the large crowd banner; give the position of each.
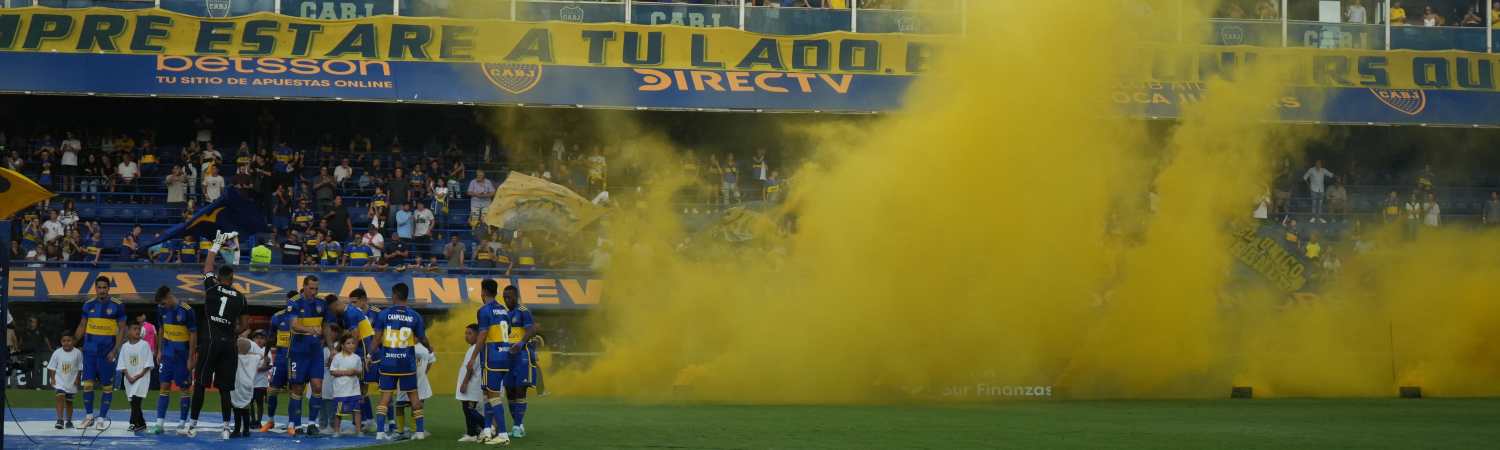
(424, 59)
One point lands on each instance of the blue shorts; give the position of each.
(174, 369)
(520, 372)
(404, 383)
(347, 406)
(97, 368)
(304, 366)
(372, 372)
(496, 370)
(64, 394)
(278, 372)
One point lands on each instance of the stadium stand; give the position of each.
(118, 189)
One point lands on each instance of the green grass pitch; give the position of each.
(557, 423)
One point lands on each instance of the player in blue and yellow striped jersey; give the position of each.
(345, 316)
(359, 300)
(522, 359)
(177, 340)
(281, 331)
(101, 331)
(305, 367)
(400, 329)
(493, 320)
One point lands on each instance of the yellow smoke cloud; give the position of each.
(996, 232)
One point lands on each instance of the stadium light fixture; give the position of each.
(1412, 392)
(1242, 392)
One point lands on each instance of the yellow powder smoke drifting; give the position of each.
(996, 232)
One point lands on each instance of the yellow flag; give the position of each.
(528, 203)
(18, 192)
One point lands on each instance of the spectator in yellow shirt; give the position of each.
(1398, 14)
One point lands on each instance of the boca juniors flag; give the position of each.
(18, 192)
(527, 203)
(230, 212)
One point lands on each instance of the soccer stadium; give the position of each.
(339, 224)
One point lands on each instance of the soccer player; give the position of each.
(494, 324)
(522, 359)
(281, 328)
(102, 331)
(425, 359)
(223, 307)
(340, 314)
(366, 348)
(305, 366)
(401, 328)
(177, 340)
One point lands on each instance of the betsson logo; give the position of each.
(272, 66)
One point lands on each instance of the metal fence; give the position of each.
(946, 19)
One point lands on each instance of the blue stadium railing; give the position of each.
(946, 17)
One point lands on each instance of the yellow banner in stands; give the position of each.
(1386, 71)
(267, 35)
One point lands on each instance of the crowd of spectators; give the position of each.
(335, 203)
(1326, 229)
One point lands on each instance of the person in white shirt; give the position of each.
(62, 372)
(329, 407)
(1432, 211)
(1317, 177)
(262, 378)
(347, 370)
(52, 228)
(135, 362)
(425, 358)
(213, 184)
(71, 147)
(422, 229)
(468, 392)
(246, 365)
(126, 175)
(1355, 13)
(342, 172)
(1262, 206)
(375, 241)
(481, 192)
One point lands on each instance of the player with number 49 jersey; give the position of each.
(399, 328)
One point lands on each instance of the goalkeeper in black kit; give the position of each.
(223, 309)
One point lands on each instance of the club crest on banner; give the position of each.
(1231, 35)
(514, 78)
(570, 13)
(1409, 101)
(217, 8)
(909, 24)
